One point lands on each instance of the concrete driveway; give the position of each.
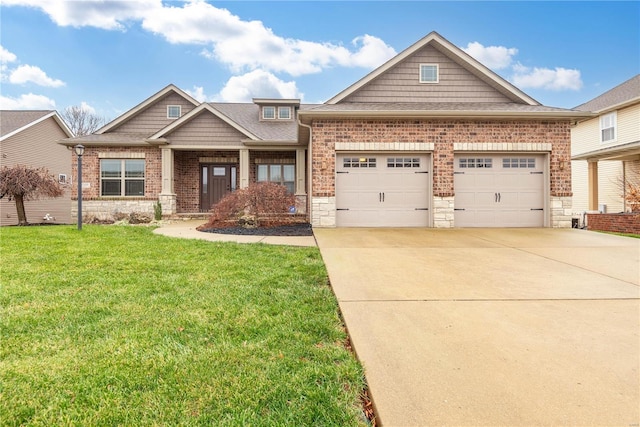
(492, 326)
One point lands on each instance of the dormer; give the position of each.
(277, 110)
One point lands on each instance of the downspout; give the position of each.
(309, 174)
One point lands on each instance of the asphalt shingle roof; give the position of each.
(619, 94)
(11, 120)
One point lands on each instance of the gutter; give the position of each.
(412, 114)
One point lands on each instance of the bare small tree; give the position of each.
(82, 121)
(21, 183)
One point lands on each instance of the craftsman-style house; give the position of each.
(432, 138)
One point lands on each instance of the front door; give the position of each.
(215, 183)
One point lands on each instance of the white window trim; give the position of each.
(169, 107)
(274, 113)
(437, 80)
(288, 109)
(614, 116)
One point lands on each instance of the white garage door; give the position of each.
(499, 190)
(382, 190)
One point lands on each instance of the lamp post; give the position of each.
(79, 149)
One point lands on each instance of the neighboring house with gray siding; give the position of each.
(605, 149)
(30, 138)
(432, 138)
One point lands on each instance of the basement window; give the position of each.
(429, 73)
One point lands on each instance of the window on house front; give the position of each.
(268, 113)
(120, 177)
(429, 73)
(608, 124)
(284, 113)
(279, 174)
(173, 111)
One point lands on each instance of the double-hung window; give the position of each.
(279, 174)
(122, 177)
(608, 125)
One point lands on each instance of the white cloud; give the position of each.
(108, 15)
(87, 108)
(494, 57)
(6, 56)
(241, 45)
(27, 102)
(197, 93)
(546, 78)
(257, 84)
(33, 74)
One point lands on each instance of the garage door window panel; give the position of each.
(359, 162)
(475, 163)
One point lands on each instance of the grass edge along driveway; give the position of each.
(117, 326)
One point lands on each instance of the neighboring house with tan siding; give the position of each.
(432, 138)
(605, 149)
(30, 138)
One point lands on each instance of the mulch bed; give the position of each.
(298, 229)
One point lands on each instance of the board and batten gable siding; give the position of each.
(37, 146)
(401, 83)
(204, 130)
(153, 118)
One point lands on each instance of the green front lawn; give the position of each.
(117, 326)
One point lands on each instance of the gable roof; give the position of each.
(13, 122)
(197, 111)
(620, 96)
(144, 104)
(455, 54)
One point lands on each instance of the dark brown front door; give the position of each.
(215, 182)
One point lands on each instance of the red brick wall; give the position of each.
(91, 172)
(618, 223)
(443, 133)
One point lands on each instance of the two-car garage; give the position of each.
(394, 190)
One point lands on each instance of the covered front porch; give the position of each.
(629, 155)
(193, 181)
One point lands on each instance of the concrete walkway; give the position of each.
(187, 229)
(517, 327)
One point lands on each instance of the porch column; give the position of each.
(301, 173)
(244, 168)
(167, 198)
(167, 171)
(593, 185)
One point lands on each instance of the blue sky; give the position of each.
(111, 55)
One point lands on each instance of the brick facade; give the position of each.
(443, 133)
(91, 171)
(617, 223)
(552, 137)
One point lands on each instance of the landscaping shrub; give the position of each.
(261, 204)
